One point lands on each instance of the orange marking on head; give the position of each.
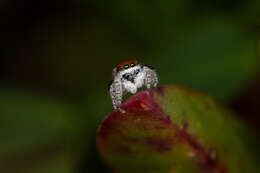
(126, 64)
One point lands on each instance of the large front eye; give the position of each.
(126, 66)
(132, 64)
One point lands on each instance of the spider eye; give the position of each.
(132, 64)
(126, 66)
(121, 68)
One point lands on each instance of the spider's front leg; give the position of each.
(116, 93)
(151, 78)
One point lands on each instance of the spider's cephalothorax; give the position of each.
(128, 76)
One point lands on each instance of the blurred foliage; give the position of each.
(34, 129)
(58, 56)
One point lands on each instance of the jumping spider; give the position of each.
(128, 76)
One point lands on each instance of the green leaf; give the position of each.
(35, 133)
(175, 129)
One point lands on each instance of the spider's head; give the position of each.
(127, 69)
(126, 65)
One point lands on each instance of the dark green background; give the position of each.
(57, 57)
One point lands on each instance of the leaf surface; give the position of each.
(175, 129)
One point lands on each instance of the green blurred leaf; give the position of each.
(36, 133)
(215, 57)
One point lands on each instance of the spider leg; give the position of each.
(155, 79)
(116, 93)
(151, 78)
